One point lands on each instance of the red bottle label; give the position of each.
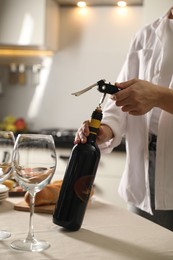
(83, 187)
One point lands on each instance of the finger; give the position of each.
(80, 137)
(85, 127)
(127, 108)
(114, 96)
(82, 133)
(77, 139)
(123, 102)
(126, 84)
(135, 113)
(132, 110)
(125, 91)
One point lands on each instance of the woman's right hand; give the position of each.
(105, 133)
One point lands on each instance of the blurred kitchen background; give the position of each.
(51, 48)
(79, 47)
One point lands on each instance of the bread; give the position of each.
(10, 184)
(47, 196)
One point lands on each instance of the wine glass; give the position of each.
(34, 161)
(6, 150)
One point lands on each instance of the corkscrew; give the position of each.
(102, 86)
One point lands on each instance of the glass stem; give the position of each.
(31, 226)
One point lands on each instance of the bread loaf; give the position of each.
(47, 196)
(9, 183)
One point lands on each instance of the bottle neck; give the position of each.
(94, 124)
(91, 138)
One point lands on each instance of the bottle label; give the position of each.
(83, 187)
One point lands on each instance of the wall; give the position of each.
(155, 8)
(93, 46)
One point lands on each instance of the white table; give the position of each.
(108, 232)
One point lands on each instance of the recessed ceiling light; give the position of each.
(81, 4)
(121, 3)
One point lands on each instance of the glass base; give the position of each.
(4, 234)
(30, 245)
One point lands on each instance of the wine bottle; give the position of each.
(78, 179)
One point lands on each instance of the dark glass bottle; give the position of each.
(78, 179)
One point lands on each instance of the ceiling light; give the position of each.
(81, 4)
(121, 3)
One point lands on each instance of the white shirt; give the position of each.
(163, 76)
(144, 61)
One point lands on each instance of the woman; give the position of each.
(143, 112)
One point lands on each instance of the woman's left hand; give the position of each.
(136, 97)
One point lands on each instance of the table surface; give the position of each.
(108, 232)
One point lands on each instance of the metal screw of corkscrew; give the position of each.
(102, 86)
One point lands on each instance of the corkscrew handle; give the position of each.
(102, 87)
(107, 88)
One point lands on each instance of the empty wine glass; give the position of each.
(6, 150)
(34, 161)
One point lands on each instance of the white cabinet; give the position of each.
(29, 23)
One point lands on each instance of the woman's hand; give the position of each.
(105, 133)
(137, 96)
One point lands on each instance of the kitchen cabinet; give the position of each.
(31, 24)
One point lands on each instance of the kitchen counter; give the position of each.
(108, 232)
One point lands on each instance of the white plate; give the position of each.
(3, 188)
(4, 192)
(3, 196)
